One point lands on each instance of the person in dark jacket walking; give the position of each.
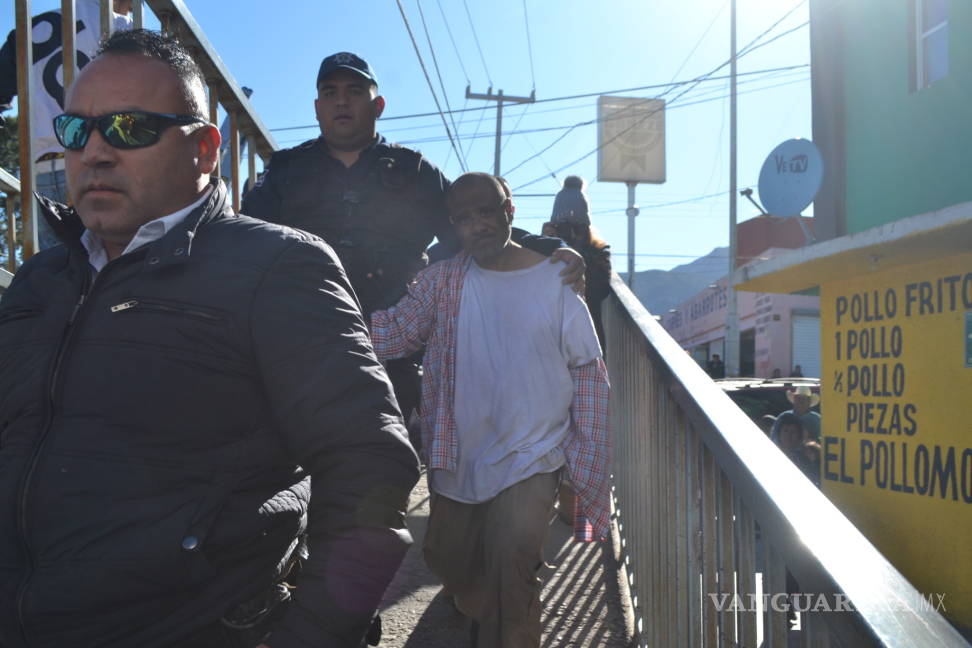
(378, 204)
(189, 400)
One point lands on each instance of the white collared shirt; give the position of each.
(147, 233)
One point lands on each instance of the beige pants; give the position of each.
(487, 555)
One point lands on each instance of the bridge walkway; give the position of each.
(582, 594)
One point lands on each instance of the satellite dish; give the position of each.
(790, 177)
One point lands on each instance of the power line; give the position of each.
(509, 136)
(479, 124)
(454, 47)
(570, 127)
(476, 135)
(585, 95)
(588, 105)
(591, 122)
(789, 13)
(438, 73)
(700, 41)
(466, 152)
(472, 26)
(543, 162)
(526, 20)
(408, 28)
(747, 49)
(777, 37)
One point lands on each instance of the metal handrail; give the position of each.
(10, 186)
(694, 477)
(178, 20)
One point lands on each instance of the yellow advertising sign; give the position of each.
(897, 419)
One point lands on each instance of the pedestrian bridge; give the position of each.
(709, 519)
(709, 516)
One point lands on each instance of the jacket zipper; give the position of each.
(36, 453)
(137, 304)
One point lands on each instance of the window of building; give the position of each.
(931, 42)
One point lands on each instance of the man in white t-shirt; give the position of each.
(47, 101)
(514, 399)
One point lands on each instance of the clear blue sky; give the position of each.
(578, 47)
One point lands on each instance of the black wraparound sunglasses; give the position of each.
(127, 129)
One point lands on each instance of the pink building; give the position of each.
(775, 331)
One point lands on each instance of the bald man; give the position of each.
(514, 400)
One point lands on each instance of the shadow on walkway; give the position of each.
(581, 602)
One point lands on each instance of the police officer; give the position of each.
(377, 203)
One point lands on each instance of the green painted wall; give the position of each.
(907, 152)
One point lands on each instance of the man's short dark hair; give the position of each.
(473, 178)
(168, 50)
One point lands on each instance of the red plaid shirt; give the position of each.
(427, 316)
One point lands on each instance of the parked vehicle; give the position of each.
(760, 396)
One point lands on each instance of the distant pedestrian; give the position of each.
(803, 399)
(766, 422)
(514, 400)
(793, 442)
(777, 373)
(715, 367)
(797, 371)
(570, 220)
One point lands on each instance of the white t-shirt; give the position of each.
(47, 99)
(518, 334)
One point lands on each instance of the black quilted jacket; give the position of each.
(160, 427)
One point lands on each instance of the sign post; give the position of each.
(631, 212)
(631, 149)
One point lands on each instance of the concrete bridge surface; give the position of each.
(582, 600)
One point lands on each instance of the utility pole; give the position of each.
(732, 315)
(500, 99)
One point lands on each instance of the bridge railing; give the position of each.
(175, 18)
(10, 186)
(714, 520)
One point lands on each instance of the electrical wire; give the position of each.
(777, 37)
(438, 73)
(408, 28)
(526, 107)
(655, 86)
(476, 135)
(462, 120)
(454, 47)
(543, 162)
(526, 20)
(771, 28)
(472, 26)
(586, 106)
(745, 50)
(700, 41)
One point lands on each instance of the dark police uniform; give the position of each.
(380, 214)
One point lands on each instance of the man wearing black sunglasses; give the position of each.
(172, 378)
